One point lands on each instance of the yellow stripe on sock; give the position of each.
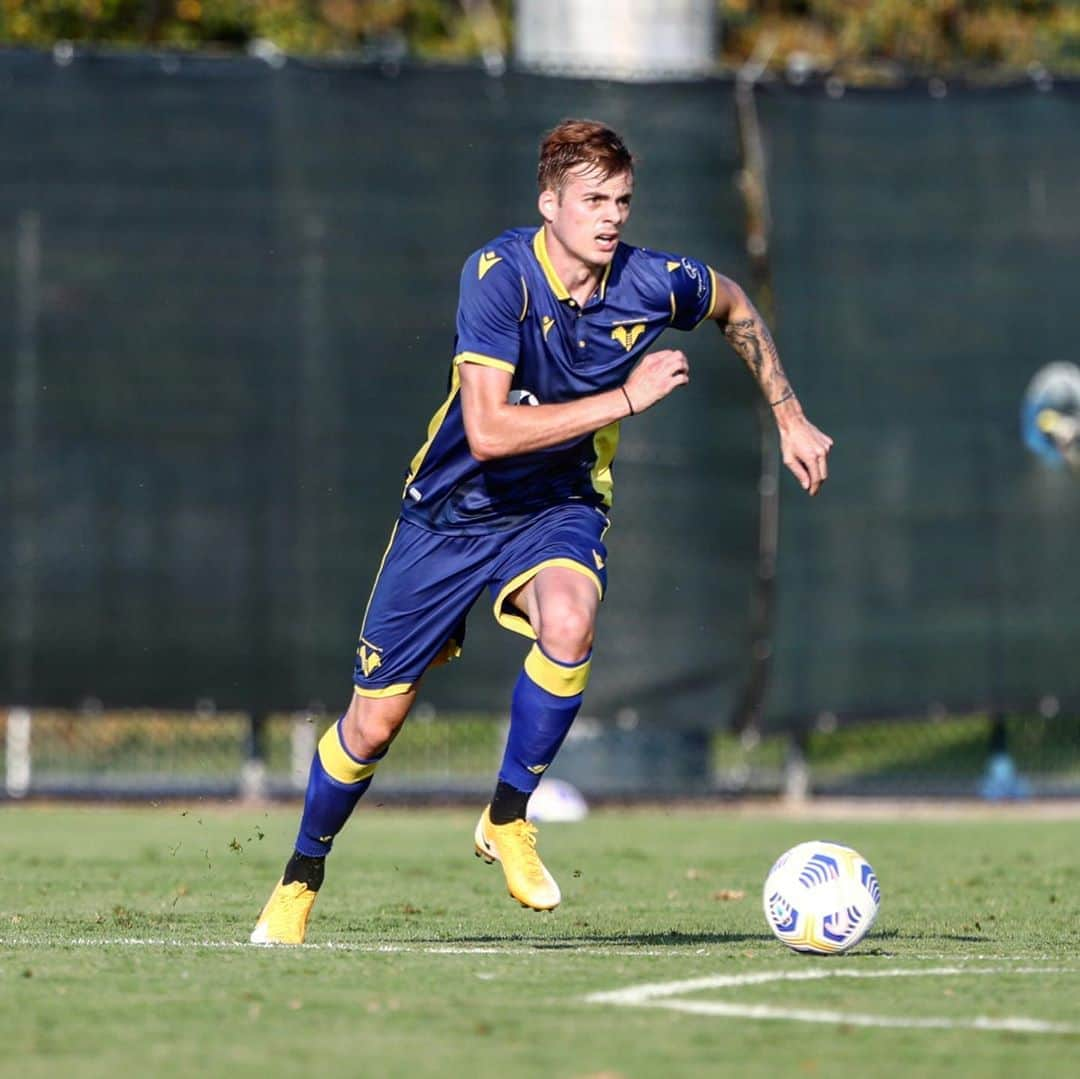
(556, 678)
(338, 764)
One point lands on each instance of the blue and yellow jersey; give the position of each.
(514, 314)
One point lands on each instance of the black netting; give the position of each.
(239, 328)
(926, 269)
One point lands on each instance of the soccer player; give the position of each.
(511, 492)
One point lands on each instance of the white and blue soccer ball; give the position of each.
(821, 898)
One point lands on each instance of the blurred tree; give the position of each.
(916, 35)
(855, 37)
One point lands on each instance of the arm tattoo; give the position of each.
(751, 339)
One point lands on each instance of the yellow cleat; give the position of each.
(513, 846)
(285, 917)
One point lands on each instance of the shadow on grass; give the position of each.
(668, 939)
(877, 943)
(929, 938)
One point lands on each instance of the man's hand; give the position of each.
(804, 448)
(655, 377)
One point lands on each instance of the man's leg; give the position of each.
(341, 771)
(414, 619)
(561, 604)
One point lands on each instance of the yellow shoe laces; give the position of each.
(530, 860)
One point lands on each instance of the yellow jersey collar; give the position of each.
(561, 293)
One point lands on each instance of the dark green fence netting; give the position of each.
(229, 294)
(926, 256)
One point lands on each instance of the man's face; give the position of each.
(588, 214)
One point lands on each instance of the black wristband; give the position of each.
(782, 398)
(629, 403)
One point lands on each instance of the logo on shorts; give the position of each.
(536, 769)
(598, 560)
(370, 658)
(627, 335)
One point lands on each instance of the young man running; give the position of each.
(510, 492)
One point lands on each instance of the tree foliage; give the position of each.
(429, 27)
(845, 35)
(916, 35)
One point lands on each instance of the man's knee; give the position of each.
(566, 631)
(372, 723)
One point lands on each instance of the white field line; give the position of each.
(667, 995)
(552, 947)
(855, 1019)
(654, 995)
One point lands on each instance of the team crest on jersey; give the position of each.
(627, 335)
(370, 658)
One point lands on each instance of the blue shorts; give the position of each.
(428, 582)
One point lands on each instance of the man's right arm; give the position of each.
(496, 428)
(492, 304)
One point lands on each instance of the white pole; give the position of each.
(17, 753)
(796, 773)
(303, 749)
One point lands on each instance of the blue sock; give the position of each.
(546, 699)
(335, 783)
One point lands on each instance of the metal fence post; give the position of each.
(18, 773)
(253, 787)
(796, 769)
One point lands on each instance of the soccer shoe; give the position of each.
(513, 846)
(284, 918)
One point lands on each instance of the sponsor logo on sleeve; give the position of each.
(695, 275)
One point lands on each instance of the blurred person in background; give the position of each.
(1050, 415)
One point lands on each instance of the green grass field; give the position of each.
(122, 930)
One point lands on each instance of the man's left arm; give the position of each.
(804, 448)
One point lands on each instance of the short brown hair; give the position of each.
(580, 142)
